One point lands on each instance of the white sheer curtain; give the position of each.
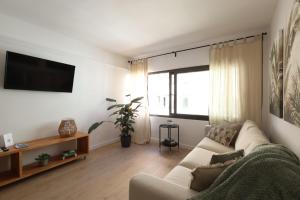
(139, 80)
(236, 81)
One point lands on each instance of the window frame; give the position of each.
(175, 72)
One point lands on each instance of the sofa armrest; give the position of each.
(147, 187)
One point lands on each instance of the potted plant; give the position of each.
(68, 154)
(43, 159)
(125, 118)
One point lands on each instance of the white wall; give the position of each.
(280, 130)
(34, 114)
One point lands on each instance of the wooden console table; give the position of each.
(18, 171)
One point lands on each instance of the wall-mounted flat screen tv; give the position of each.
(24, 72)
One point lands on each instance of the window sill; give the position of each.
(192, 117)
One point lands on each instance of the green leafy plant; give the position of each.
(125, 115)
(276, 94)
(292, 105)
(43, 157)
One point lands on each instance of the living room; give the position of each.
(194, 99)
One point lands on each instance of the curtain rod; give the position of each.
(199, 47)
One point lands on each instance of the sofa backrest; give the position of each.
(249, 137)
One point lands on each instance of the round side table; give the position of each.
(169, 127)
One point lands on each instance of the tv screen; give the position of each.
(30, 73)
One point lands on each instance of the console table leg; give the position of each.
(178, 136)
(159, 139)
(170, 138)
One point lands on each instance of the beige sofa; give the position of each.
(176, 184)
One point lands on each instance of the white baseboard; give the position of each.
(96, 146)
(183, 146)
(153, 139)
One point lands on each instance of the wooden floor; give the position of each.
(105, 174)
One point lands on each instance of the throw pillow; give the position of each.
(225, 133)
(222, 158)
(204, 176)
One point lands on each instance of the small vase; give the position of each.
(67, 128)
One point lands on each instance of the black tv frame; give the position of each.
(6, 86)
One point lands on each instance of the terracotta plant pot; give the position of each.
(67, 128)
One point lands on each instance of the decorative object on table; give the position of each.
(169, 121)
(276, 90)
(5, 149)
(21, 146)
(169, 142)
(291, 81)
(68, 154)
(6, 140)
(43, 159)
(125, 118)
(67, 128)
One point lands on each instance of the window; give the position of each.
(179, 93)
(158, 88)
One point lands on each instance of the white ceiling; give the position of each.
(135, 27)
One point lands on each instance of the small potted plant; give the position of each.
(43, 159)
(68, 154)
(125, 118)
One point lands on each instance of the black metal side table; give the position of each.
(169, 127)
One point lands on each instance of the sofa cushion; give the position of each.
(224, 133)
(180, 175)
(250, 135)
(222, 158)
(252, 145)
(197, 157)
(204, 176)
(214, 146)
